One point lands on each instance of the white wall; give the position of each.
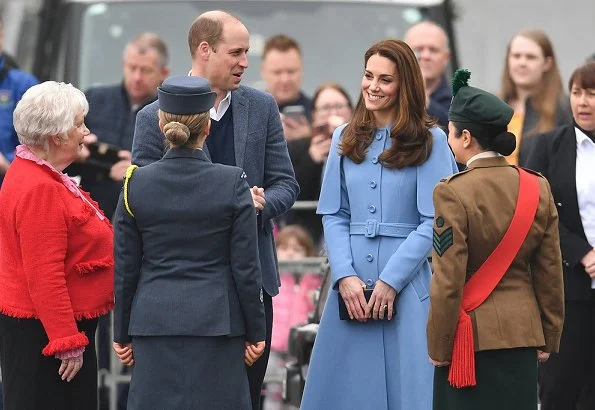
(484, 28)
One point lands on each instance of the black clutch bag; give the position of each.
(344, 314)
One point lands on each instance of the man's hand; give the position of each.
(124, 352)
(253, 352)
(118, 170)
(294, 129)
(258, 198)
(588, 262)
(84, 153)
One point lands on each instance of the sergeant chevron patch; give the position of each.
(442, 241)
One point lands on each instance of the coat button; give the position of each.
(369, 257)
(566, 263)
(369, 282)
(372, 209)
(559, 203)
(375, 160)
(378, 136)
(372, 184)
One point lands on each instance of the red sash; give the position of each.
(487, 277)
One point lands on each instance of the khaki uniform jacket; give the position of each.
(473, 210)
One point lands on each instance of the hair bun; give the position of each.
(504, 143)
(176, 133)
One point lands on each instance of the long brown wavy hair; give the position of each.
(410, 134)
(549, 95)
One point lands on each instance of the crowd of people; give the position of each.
(181, 205)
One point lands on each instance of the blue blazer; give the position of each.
(260, 150)
(187, 263)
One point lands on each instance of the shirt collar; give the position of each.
(223, 105)
(485, 154)
(217, 114)
(581, 137)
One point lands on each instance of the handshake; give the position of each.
(251, 354)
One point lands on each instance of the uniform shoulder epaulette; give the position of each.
(539, 174)
(451, 177)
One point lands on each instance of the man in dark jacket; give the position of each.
(246, 132)
(112, 114)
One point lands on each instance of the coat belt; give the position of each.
(372, 228)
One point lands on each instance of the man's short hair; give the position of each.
(282, 43)
(208, 28)
(150, 41)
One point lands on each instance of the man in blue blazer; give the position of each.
(246, 131)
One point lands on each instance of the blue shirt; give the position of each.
(12, 87)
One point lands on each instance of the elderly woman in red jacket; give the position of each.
(56, 264)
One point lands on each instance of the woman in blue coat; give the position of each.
(376, 200)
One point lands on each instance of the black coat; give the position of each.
(112, 119)
(554, 155)
(563, 117)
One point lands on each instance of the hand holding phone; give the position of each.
(295, 123)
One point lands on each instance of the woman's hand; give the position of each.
(124, 352)
(351, 289)
(588, 262)
(381, 301)
(320, 146)
(253, 352)
(436, 363)
(542, 356)
(70, 367)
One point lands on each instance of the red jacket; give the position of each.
(56, 259)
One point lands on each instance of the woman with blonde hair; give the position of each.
(189, 309)
(532, 86)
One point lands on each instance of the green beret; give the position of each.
(471, 105)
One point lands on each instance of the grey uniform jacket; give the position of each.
(260, 150)
(187, 262)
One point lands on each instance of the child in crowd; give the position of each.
(296, 298)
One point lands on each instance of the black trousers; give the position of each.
(257, 370)
(30, 381)
(567, 379)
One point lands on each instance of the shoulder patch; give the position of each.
(442, 241)
(458, 174)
